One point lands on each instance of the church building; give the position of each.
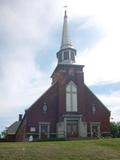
(68, 109)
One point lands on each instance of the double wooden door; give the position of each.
(72, 128)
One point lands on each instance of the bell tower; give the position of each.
(66, 69)
(66, 54)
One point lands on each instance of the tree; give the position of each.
(115, 129)
(118, 124)
(3, 134)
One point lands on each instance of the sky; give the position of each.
(30, 37)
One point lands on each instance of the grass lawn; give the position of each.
(99, 149)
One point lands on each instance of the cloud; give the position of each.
(112, 101)
(102, 59)
(106, 88)
(23, 29)
(22, 82)
(101, 62)
(26, 21)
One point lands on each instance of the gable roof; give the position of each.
(13, 128)
(92, 94)
(46, 92)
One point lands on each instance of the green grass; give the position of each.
(99, 149)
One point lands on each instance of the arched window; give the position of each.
(71, 97)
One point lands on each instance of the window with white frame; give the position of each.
(32, 129)
(71, 97)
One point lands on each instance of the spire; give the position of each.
(66, 54)
(65, 34)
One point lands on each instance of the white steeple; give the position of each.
(65, 34)
(67, 53)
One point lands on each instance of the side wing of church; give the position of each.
(68, 108)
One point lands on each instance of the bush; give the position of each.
(3, 140)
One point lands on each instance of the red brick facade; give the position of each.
(55, 100)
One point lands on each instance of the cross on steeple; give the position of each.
(65, 10)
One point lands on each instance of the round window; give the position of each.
(45, 108)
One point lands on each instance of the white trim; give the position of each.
(69, 55)
(62, 56)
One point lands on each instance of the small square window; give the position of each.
(32, 129)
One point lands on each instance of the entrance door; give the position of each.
(95, 130)
(72, 128)
(44, 130)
